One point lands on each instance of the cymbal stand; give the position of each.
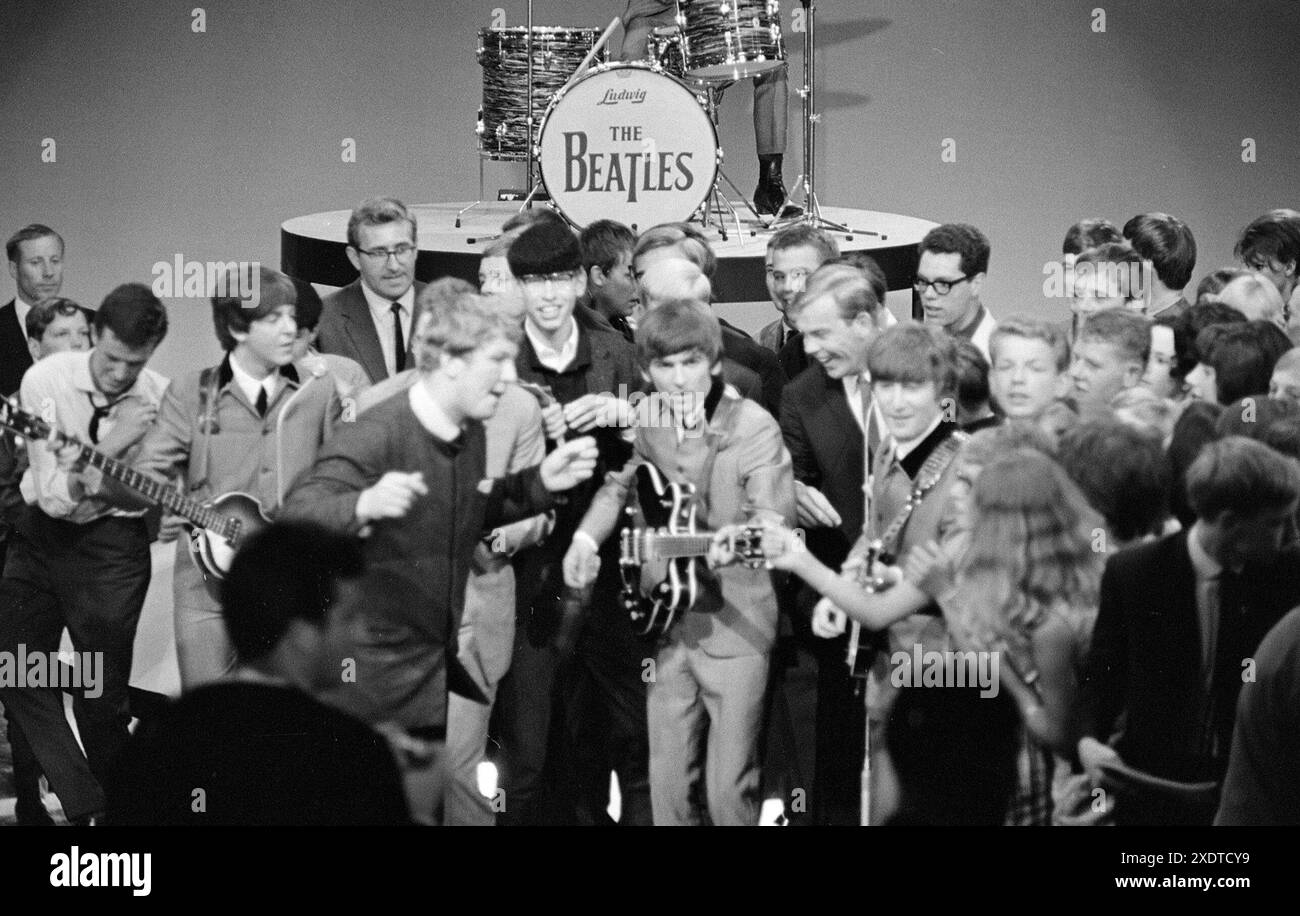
(807, 182)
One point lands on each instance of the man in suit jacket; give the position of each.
(585, 673)
(793, 254)
(712, 665)
(828, 418)
(370, 319)
(35, 256)
(1180, 619)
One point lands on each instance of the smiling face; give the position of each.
(38, 272)
(1023, 377)
(788, 270)
(269, 341)
(549, 300)
(908, 407)
(838, 344)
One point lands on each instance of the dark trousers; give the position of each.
(816, 728)
(91, 579)
(571, 709)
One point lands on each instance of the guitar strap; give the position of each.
(930, 474)
(722, 426)
(209, 385)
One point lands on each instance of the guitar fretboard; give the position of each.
(33, 428)
(161, 493)
(674, 546)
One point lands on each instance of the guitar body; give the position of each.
(212, 551)
(668, 508)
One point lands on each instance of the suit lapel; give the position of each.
(833, 423)
(360, 328)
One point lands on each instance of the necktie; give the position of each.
(261, 401)
(100, 413)
(399, 342)
(869, 424)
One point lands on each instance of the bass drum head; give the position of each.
(629, 144)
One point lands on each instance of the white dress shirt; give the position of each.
(251, 386)
(381, 312)
(555, 359)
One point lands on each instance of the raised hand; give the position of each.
(815, 510)
(391, 496)
(570, 464)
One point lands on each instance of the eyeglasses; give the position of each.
(942, 287)
(379, 255)
(539, 281)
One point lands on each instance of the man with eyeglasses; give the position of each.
(949, 277)
(582, 674)
(793, 254)
(369, 320)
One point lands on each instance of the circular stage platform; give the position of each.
(313, 247)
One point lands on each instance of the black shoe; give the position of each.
(770, 198)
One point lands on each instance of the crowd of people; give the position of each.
(1024, 569)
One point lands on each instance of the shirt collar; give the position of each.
(430, 413)
(853, 384)
(968, 330)
(557, 359)
(903, 449)
(248, 384)
(1206, 566)
(21, 308)
(380, 307)
(82, 380)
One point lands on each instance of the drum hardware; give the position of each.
(718, 202)
(807, 182)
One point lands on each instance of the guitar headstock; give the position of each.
(748, 546)
(20, 422)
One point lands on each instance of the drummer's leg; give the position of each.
(636, 33)
(771, 112)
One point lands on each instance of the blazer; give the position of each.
(15, 358)
(739, 347)
(735, 613)
(792, 359)
(347, 328)
(826, 445)
(772, 335)
(1145, 658)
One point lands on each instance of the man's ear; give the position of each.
(450, 365)
(596, 277)
(354, 257)
(977, 283)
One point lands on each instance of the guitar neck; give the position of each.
(155, 491)
(673, 546)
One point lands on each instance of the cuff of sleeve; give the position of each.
(581, 535)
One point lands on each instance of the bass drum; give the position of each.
(630, 144)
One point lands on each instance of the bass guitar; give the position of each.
(662, 543)
(218, 526)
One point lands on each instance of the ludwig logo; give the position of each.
(614, 96)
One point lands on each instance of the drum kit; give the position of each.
(633, 141)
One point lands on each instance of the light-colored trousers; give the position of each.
(693, 694)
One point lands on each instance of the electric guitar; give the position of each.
(871, 579)
(665, 545)
(219, 526)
